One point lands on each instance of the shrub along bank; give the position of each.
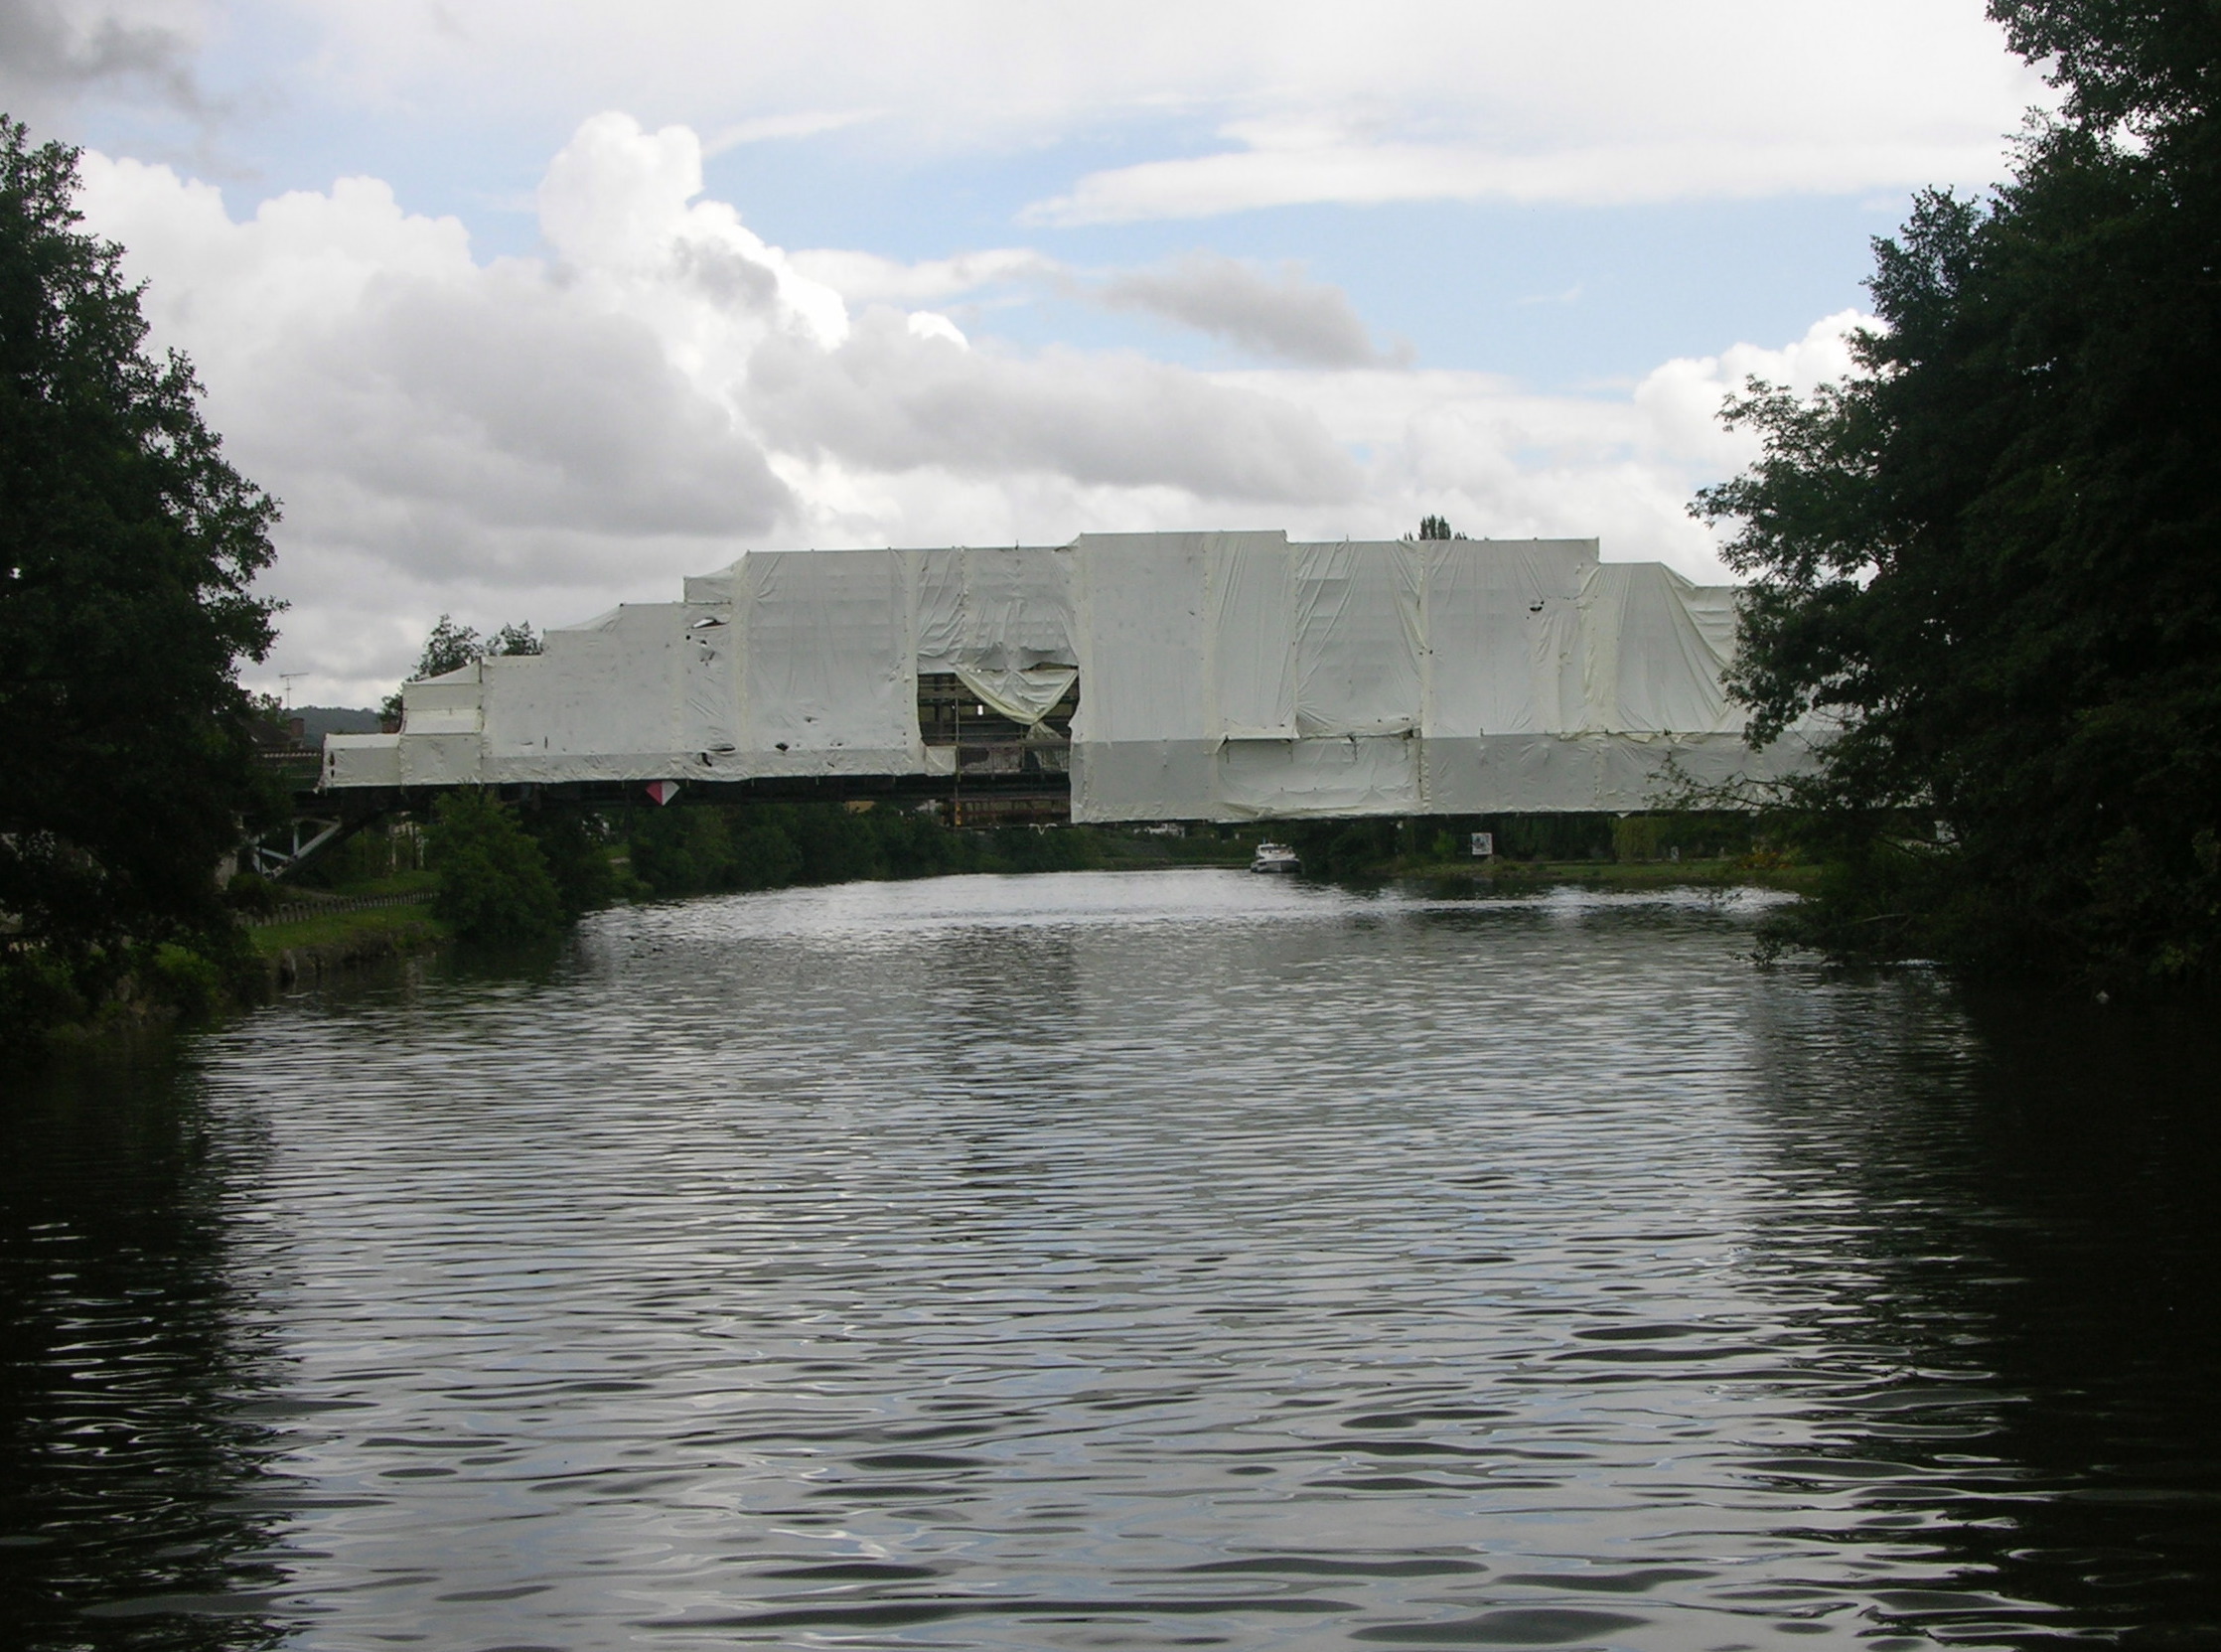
(696, 848)
(494, 873)
(508, 877)
(114, 989)
(1532, 845)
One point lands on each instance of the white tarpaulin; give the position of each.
(992, 609)
(1221, 675)
(1023, 697)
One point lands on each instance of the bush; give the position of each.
(493, 882)
(761, 854)
(38, 992)
(571, 842)
(1339, 848)
(695, 849)
(1051, 850)
(1638, 837)
(682, 849)
(251, 892)
(180, 976)
(837, 847)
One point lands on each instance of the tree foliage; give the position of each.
(517, 638)
(450, 647)
(1992, 557)
(575, 846)
(494, 882)
(693, 849)
(128, 552)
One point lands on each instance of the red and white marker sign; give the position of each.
(662, 791)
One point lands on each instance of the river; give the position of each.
(1121, 1260)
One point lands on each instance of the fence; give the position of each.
(298, 911)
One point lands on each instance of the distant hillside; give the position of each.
(319, 720)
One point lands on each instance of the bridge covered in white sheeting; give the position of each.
(1215, 677)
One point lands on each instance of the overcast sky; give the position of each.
(527, 307)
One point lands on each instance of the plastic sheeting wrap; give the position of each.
(601, 695)
(1142, 743)
(828, 680)
(1024, 697)
(992, 609)
(1222, 677)
(1496, 626)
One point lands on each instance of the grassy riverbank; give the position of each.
(149, 987)
(1116, 848)
(326, 943)
(1512, 876)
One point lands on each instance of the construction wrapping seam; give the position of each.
(1221, 677)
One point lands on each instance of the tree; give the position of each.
(128, 553)
(574, 847)
(493, 882)
(451, 646)
(1992, 557)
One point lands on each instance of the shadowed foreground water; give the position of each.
(1084, 1261)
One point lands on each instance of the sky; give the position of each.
(526, 309)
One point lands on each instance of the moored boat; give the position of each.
(1275, 857)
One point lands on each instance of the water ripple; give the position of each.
(1094, 1260)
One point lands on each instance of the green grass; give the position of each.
(404, 925)
(372, 888)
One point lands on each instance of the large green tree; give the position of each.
(1991, 558)
(129, 550)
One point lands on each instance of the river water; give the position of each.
(1120, 1261)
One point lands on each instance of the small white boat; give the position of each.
(1275, 857)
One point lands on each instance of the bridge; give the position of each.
(1124, 677)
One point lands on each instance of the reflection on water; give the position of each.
(1124, 1261)
(143, 1378)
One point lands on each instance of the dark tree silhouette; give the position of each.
(1992, 556)
(128, 552)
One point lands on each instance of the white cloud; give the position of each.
(804, 123)
(1308, 99)
(1273, 313)
(528, 438)
(54, 51)
(619, 206)
(892, 400)
(1289, 170)
(928, 323)
(538, 438)
(867, 278)
(1681, 401)
(1504, 463)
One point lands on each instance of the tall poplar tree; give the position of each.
(1991, 558)
(128, 548)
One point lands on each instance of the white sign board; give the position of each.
(1484, 845)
